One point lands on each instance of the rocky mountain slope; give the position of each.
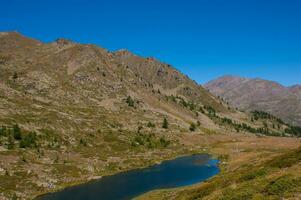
(74, 112)
(296, 89)
(258, 94)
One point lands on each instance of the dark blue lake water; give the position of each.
(181, 171)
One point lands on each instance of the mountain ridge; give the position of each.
(260, 94)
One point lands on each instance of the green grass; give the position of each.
(282, 185)
(252, 181)
(286, 160)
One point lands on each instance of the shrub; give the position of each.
(192, 127)
(254, 174)
(17, 132)
(15, 76)
(139, 128)
(151, 125)
(164, 142)
(29, 140)
(11, 143)
(3, 131)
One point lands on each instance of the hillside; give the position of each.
(257, 94)
(74, 112)
(264, 175)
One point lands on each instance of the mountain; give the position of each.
(74, 112)
(257, 94)
(296, 89)
(61, 78)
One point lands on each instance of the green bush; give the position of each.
(29, 140)
(151, 125)
(164, 142)
(3, 131)
(130, 101)
(254, 174)
(82, 142)
(17, 132)
(15, 76)
(139, 128)
(192, 127)
(11, 142)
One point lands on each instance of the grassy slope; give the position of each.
(260, 172)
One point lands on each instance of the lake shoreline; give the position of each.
(154, 163)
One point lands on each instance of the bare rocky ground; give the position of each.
(75, 112)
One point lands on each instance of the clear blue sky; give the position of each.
(202, 38)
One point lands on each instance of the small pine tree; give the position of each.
(192, 127)
(165, 123)
(130, 101)
(82, 142)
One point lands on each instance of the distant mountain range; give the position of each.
(259, 94)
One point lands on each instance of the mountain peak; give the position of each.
(63, 41)
(124, 53)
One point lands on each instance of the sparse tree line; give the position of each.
(150, 141)
(256, 115)
(14, 137)
(264, 115)
(187, 104)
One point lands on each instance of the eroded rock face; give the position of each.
(251, 94)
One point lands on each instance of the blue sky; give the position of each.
(204, 39)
